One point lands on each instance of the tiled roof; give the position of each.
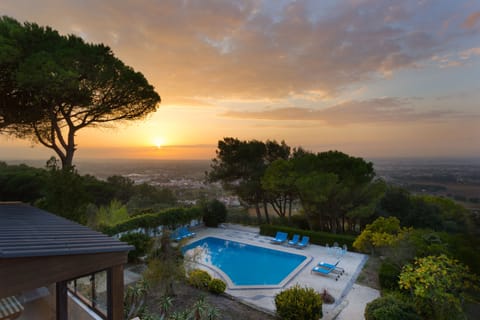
(26, 231)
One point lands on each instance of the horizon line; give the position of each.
(86, 159)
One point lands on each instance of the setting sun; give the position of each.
(159, 142)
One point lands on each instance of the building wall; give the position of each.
(39, 304)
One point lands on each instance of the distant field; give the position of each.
(469, 191)
(446, 189)
(467, 195)
(458, 179)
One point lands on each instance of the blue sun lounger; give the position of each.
(281, 237)
(335, 267)
(294, 240)
(176, 236)
(325, 271)
(304, 242)
(187, 233)
(182, 233)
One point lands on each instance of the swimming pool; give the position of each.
(245, 265)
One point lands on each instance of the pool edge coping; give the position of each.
(231, 286)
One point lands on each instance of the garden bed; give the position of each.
(186, 296)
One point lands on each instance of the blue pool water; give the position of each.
(246, 264)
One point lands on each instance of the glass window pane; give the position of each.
(84, 289)
(101, 291)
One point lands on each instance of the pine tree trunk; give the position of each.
(259, 214)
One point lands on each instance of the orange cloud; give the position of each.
(352, 112)
(471, 20)
(470, 52)
(243, 50)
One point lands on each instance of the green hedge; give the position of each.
(142, 243)
(316, 237)
(170, 217)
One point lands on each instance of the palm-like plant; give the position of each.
(199, 308)
(180, 315)
(135, 297)
(166, 303)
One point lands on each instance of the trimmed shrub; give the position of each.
(199, 278)
(217, 286)
(316, 237)
(388, 276)
(142, 243)
(390, 307)
(214, 213)
(299, 303)
(170, 217)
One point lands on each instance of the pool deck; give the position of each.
(350, 298)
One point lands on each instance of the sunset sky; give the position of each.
(369, 78)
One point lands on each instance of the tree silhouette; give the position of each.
(51, 86)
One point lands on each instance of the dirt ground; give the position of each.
(369, 275)
(186, 296)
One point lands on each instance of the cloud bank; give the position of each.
(379, 110)
(260, 49)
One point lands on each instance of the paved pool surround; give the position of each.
(262, 297)
(219, 273)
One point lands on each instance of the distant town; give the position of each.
(457, 179)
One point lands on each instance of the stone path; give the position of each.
(356, 300)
